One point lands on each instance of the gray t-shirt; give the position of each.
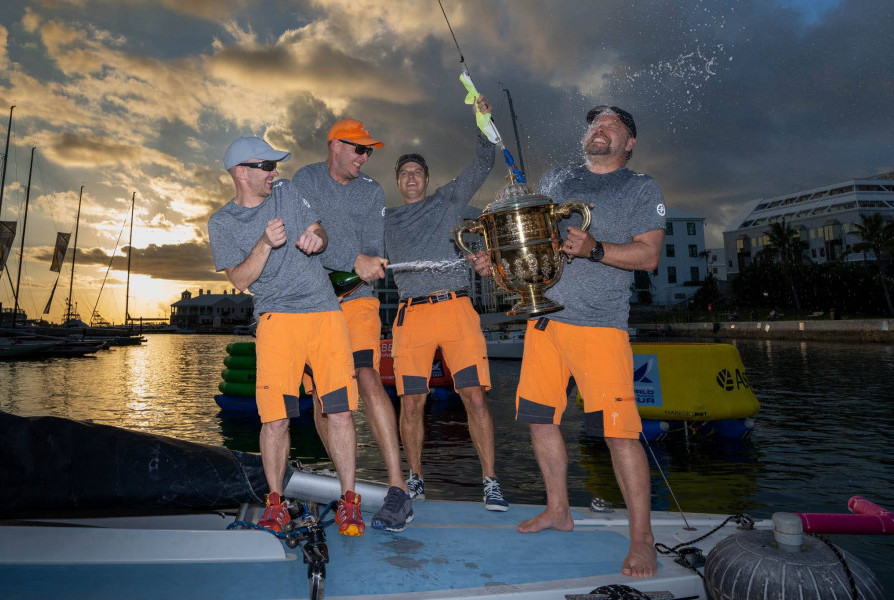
(291, 281)
(351, 214)
(625, 204)
(423, 230)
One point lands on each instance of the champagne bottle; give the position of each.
(344, 282)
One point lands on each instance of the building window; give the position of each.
(669, 228)
(690, 228)
(693, 274)
(672, 274)
(693, 251)
(669, 250)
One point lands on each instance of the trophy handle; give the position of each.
(582, 207)
(470, 226)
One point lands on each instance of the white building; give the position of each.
(682, 268)
(716, 262)
(825, 217)
(209, 311)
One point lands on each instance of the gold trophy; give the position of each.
(522, 241)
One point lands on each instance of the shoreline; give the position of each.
(859, 330)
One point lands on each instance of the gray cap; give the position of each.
(246, 148)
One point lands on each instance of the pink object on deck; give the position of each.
(869, 519)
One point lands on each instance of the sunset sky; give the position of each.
(733, 101)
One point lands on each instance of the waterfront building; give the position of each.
(825, 217)
(716, 263)
(209, 312)
(683, 267)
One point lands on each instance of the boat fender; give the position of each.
(784, 563)
(323, 487)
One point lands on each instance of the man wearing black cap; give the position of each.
(435, 309)
(588, 339)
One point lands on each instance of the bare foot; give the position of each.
(641, 561)
(559, 520)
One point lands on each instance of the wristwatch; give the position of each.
(597, 253)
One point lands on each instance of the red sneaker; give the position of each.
(348, 517)
(276, 515)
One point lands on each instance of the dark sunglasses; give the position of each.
(264, 165)
(359, 148)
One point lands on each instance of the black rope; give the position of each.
(744, 520)
(844, 565)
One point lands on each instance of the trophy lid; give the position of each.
(514, 196)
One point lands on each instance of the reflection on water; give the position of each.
(821, 437)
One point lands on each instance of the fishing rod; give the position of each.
(484, 121)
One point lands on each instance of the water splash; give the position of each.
(427, 265)
(678, 84)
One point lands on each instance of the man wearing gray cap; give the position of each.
(267, 239)
(588, 339)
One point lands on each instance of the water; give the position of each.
(822, 433)
(433, 266)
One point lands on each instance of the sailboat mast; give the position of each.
(521, 158)
(5, 161)
(74, 254)
(15, 310)
(129, 253)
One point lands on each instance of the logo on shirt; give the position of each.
(660, 209)
(306, 203)
(383, 211)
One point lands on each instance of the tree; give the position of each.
(785, 245)
(877, 236)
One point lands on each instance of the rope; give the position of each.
(844, 565)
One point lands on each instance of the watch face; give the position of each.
(597, 253)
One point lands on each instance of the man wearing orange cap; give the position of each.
(352, 208)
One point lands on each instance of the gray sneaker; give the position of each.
(416, 487)
(396, 512)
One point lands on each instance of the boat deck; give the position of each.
(452, 550)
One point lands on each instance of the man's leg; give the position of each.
(412, 429)
(380, 415)
(632, 472)
(343, 447)
(551, 455)
(321, 422)
(275, 445)
(481, 426)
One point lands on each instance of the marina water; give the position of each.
(823, 433)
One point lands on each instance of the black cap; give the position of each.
(406, 158)
(622, 114)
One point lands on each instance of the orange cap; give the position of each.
(353, 131)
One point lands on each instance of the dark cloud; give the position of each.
(190, 262)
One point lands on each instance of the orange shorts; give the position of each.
(600, 360)
(364, 333)
(365, 327)
(286, 342)
(451, 324)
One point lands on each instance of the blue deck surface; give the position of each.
(449, 546)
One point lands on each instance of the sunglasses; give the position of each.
(264, 165)
(359, 148)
